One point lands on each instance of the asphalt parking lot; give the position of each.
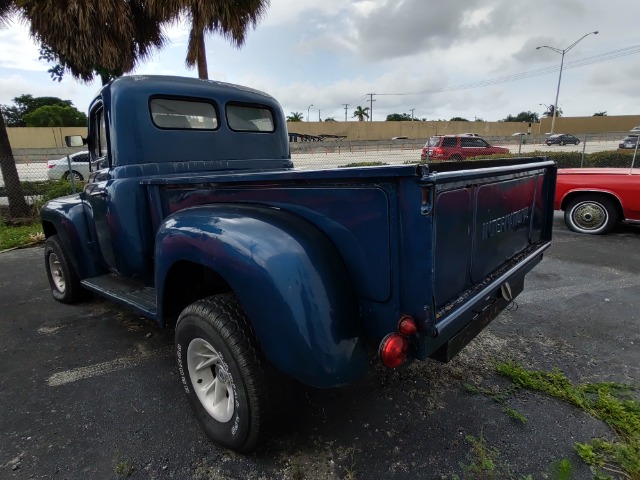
(91, 391)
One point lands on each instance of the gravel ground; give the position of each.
(91, 391)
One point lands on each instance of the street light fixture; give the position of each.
(308, 109)
(562, 52)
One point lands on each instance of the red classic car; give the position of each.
(595, 199)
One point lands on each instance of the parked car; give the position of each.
(458, 147)
(562, 139)
(629, 142)
(635, 129)
(57, 169)
(595, 199)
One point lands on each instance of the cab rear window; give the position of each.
(249, 118)
(178, 114)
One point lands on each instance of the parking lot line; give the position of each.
(81, 373)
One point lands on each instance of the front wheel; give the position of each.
(63, 279)
(592, 214)
(76, 176)
(222, 371)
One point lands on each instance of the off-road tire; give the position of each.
(218, 326)
(593, 214)
(63, 279)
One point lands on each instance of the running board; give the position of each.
(125, 292)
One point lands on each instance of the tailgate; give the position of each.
(484, 219)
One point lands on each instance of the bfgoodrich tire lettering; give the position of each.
(591, 213)
(222, 371)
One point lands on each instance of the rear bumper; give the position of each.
(458, 327)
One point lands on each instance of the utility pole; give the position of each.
(319, 115)
(412, 114)
(371, 100)
(346, 106)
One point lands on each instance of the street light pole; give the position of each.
(562, 52)
(308, 109)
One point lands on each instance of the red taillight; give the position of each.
(393, 350)
(438, 152)
(407, 326)
(50, 165)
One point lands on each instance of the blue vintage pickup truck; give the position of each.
(195, 217)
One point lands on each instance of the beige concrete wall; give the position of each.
(359, 131)
(620, 123)
(53, 137)
(41, 137)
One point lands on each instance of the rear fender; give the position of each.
(288, 277)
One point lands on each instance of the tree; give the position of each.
(549, 113)
(230, 18)
(399, 117)
(86, 38)
(17, 204)
(294, 117)
(104, 39)
(361, 113)
(528, 117)
(55, 116)
(458, 119)
(600, 114)
(26, 104)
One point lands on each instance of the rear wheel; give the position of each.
(456, 157)
(63, 279)
(593, 214)
(223, 371)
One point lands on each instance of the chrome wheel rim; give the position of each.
(211, 380)
(56, 273)
(589, 216)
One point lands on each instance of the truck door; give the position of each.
(96, 192)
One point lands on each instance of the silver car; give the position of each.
(57, 169)
(629, 142)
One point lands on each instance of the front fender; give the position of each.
(66, 216)
(288, 277)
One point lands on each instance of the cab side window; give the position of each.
(100, 135)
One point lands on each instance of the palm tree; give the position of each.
(294, 117)
(230, 18)
(17, 204)
(91, 38)
(87, 38)
(361, 113)
(6, 9)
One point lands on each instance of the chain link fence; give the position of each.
(32, 177)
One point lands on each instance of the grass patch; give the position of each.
(20, 236)
(363, 164)
(124, 469)
(613, 403)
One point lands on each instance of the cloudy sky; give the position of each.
(468, 58)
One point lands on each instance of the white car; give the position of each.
(57, 169)
(635, 129)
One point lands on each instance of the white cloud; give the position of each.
(333, 52)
